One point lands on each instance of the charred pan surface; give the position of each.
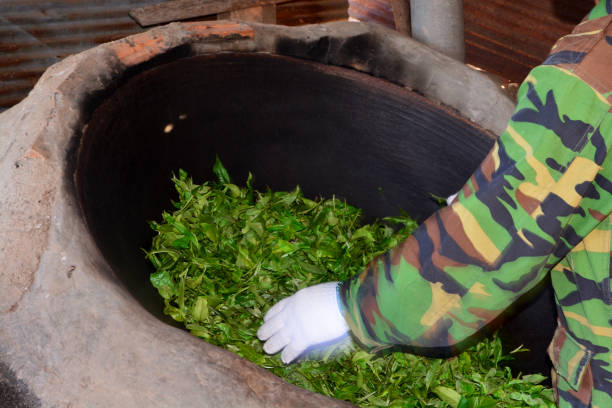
(289, 121)
(14, 393)
(383, 53)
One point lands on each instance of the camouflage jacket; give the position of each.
(539, 203)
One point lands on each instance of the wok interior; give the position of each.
(290, 122)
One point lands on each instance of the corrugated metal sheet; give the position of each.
(505, 37)
(511, 37)
(35, 34)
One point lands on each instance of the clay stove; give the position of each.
(344, 108)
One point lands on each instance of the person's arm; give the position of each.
(542, 188)
(539, 191)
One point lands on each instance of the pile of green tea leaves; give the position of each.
(228, 253)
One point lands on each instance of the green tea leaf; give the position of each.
(164, 284)
(533, 378)
(200, 309)
(448, 395)
(182, 242)
(221, 172)
(365, 233)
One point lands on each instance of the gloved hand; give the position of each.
(309, 319)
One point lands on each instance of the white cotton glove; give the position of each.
(308, 319)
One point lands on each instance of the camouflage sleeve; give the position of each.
(537, 193)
